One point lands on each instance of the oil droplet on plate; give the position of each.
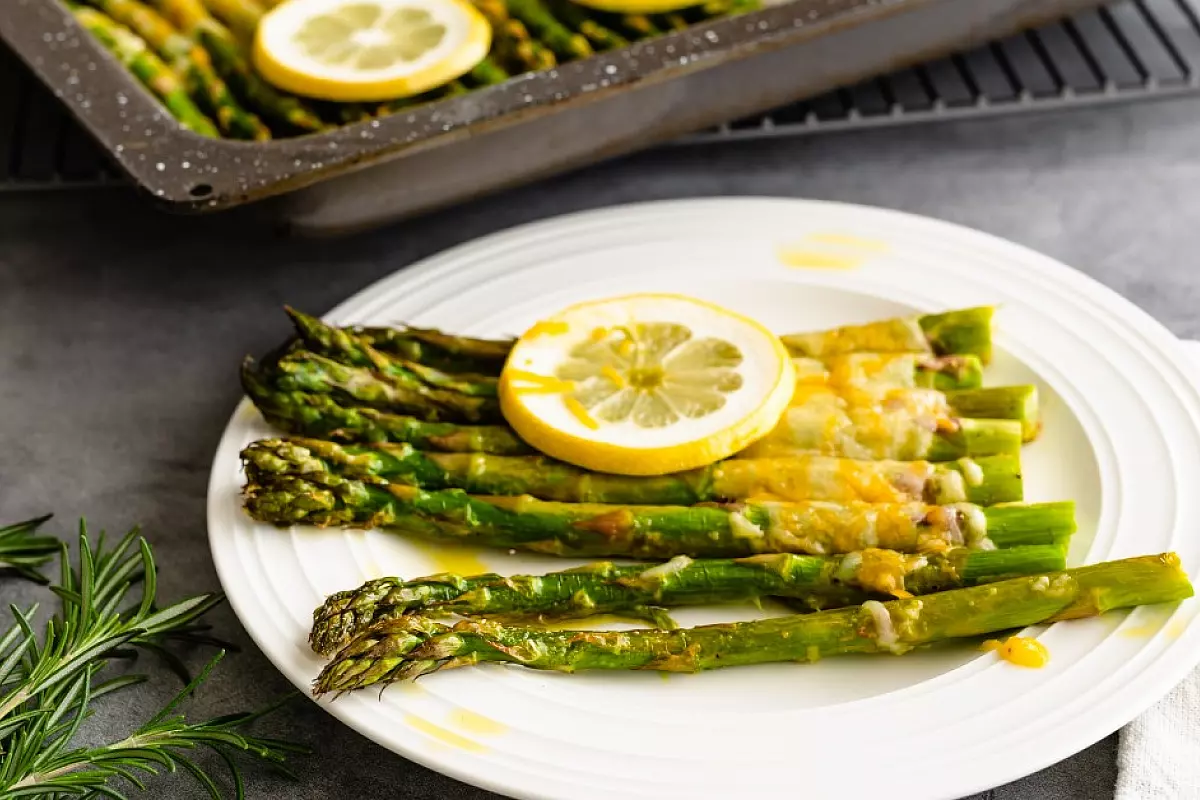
(471, 722)
(848, 241)
(443, 736)
(459, 559)
(815, 259)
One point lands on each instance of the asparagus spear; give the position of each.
(487, 73)
(289, 112)
(543, 56)
(875, 371)
(603, 587)
(310, 372)
(858, 371)
(708, 531)
(566, 44)
(345, 346)
(985, 482)
(574, 16)
(964, 332)
(132, 52)
(514, 47)
(639, 26)
(191, 62)
(409, 647)
(864, 432)
(240, 16)
(319, 415)
(1018, 403)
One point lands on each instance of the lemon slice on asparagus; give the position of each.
(369, 50)
(645, 384)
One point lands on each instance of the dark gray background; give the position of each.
(121, 330)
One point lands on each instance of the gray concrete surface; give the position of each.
(120, 332)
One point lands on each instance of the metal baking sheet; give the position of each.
(533, 125)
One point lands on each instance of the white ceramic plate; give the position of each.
(1122, 438)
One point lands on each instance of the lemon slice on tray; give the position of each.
(645, 384)
(369, 50)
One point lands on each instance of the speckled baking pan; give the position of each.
(531, 126)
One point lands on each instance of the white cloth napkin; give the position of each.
(1159, 754)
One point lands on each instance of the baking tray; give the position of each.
(531, 126)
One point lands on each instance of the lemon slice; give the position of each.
(638, 6)
(645, 384)
(369, 50)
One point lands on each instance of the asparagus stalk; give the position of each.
(866, 371)
(131, 50)
(345, 346)
(872, 433)
(639, 26)
(574, 16)
(439, 350)
(565, 44)
(876, 371)
(603, 587)
(319, 415)
(310, 372)
(1018, 403)
(543, 56)
(514, 47)
(286, 111)
(408, 647)
(191, 62)
(984, 482)
(966, 332)
(487, 73)
(708, 531)
(240, 16)
(963, 332)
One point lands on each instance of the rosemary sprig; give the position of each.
(23, 550)
(108, 607)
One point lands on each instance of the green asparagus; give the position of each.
(286, 111)
(487, 73)
(309, 372)
(345, 346)
(704, 531)
(411, 646)
(863, 432)
(191, 62)
(574, 16)
(965, 332)
(987, 481)
(638, 590)
(319, 415)
(962, 332)
(128, 48)
(566, 44)
(240, 16)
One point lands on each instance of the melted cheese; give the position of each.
(1023, 651)
(898, 424)
(823, 478)
(885, 336)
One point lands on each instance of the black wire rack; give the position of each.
(1137, 49)
(1134, 49)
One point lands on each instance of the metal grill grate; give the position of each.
(1125, 51)
(1129, 50)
